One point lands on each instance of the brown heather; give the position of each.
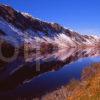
(86, 89)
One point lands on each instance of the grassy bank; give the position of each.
(86, 89)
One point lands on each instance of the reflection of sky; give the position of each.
(54, 79)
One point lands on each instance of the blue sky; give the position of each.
(80, 15)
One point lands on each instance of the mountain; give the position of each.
(21, 29)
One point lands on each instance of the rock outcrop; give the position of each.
(26, 30)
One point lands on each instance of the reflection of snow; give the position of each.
(63, 54)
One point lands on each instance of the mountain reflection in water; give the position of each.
(20, 78)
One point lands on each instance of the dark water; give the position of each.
(20, 78)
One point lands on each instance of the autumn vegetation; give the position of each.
(88, 88)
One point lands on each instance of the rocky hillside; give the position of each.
(21, 28)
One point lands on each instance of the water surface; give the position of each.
(20, 78)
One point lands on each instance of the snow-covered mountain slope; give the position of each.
(24, 29)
